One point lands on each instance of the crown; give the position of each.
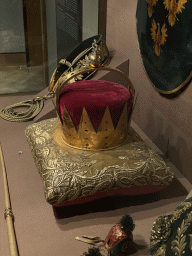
(89, 119)
(95, 115)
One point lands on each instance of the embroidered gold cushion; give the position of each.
(75, 176)
(171, 234)
(90, 151)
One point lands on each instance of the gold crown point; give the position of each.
(68, 126)
(85, 124)
(106, 122)
(123, 120)
(67, 121)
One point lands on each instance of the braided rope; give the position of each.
(35, 106)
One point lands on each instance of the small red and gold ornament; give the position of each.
(120, 238)
(118, 242)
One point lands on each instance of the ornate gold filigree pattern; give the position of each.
(162, 228)
(80, 66)
(179, 244)
(159, 36)
(160, 251)
(174, 7)
(151, 3)
(69, 173)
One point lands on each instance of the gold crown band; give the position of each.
(106, 137)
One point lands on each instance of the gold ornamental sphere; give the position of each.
(95, 57)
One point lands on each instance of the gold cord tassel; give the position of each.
(8, 211)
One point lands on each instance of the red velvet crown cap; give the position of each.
(94, 96)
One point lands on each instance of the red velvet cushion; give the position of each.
(95, 96)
